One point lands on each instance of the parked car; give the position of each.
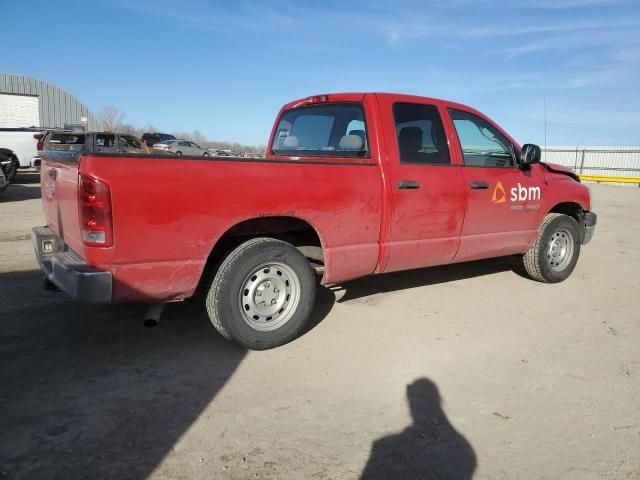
(152, 138)
(21, 145)
(94, 142)
(181, 147)
(352, 185)
(4, 182)
(220, 152)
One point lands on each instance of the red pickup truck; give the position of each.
(352, 185)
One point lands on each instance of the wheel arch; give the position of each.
(299, 232)
(572, 209)
(9, 153)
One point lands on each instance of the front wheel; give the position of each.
(554, 254)
(205, 154)
(262, 294)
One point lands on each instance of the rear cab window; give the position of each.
(328, 130)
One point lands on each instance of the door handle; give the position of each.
(408, 185)
(53, 173)
(479, 185)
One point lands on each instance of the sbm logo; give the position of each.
(518, 193)
(499, 195)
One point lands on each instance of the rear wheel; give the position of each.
(179, 154)
(262, 294)
(554, 254)
(205, 154)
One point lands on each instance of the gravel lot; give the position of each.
(469, 370)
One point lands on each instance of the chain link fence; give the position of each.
(616, 165)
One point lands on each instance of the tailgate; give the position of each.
(59, 184)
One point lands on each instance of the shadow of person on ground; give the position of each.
(429, 449)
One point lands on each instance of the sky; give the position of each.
(226, 67)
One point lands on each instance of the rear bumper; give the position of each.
(590, 220)
(68, 271)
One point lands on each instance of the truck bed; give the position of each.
(169, 212)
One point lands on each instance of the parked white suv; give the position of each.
(21, 146)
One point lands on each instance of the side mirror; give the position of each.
(530, 154)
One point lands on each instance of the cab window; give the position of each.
(105, 140)
(331, 130)
(482, 144)
(420, 134)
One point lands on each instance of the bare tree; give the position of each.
(111, 118)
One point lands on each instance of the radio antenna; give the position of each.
(545, 122)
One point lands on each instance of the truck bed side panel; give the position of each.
(168, 214)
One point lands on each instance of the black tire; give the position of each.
(179, 154)
(205, 154)
(554, 254)
(233, 296)
(12, 169)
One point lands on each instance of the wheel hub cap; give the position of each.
(269, 296)
(560, 250)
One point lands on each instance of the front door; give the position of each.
(427, 193)
(503, 200)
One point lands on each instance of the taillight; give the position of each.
(40, 138)
(94, 204)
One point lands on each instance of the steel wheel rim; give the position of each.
(560, 250)
(269, 296)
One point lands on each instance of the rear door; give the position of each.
(503, 200)
(427, 193)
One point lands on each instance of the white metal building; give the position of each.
(27, 102)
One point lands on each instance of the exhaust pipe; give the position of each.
(152, 318)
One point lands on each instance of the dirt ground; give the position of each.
(471, 371)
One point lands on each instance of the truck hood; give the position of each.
(552, 167)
